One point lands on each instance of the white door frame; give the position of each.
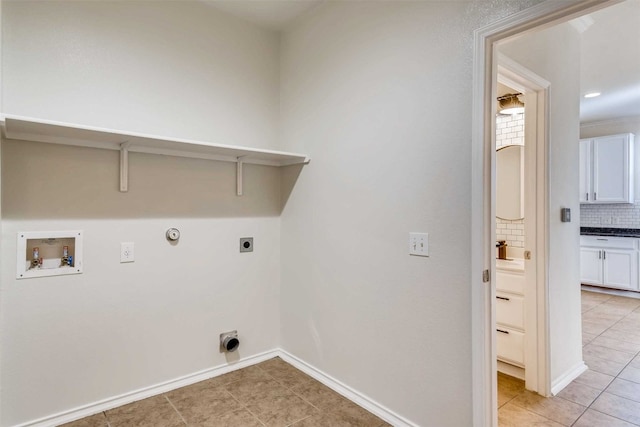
(535, 90)
(484, 387)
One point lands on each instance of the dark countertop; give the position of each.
(604, 231)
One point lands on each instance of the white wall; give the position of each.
(169, 68)
(73, 340)
(558, 63)
(178, 69)
(379, 95)
(618, 215)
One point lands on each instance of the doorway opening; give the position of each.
(521, 317)
(486, 70)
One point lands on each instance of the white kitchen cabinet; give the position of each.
(620, 267)
(591, 268)
(585, 171)
(609, 261)
(606, 169)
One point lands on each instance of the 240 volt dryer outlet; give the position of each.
(246, 244)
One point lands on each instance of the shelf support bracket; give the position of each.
(124, 167)
(239, 164)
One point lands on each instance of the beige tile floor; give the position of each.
(272, 393)
(608, 394)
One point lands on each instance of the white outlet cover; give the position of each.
(419, 244)
(127, 252)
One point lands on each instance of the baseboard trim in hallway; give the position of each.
(567, 377)
(164, 387)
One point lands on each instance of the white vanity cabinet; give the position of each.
(609, 261)
(510, 315)
(606, 169)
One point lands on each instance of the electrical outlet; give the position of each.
(126, 252)
(615, 220)
(246, 244)
(419, 244)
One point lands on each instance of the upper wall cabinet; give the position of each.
(606, 169)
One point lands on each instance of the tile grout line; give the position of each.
(586, 408)
(297, 421)
(106, 419)
(292, 390)
(569, 401)
(614, 376)
(175, 409)
(244, 406)
(296, 394)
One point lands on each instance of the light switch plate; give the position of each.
(419, 244)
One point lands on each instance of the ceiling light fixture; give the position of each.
(510, 104)
(592, 94)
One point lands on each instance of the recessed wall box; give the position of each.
(246, 244)
(49, 253)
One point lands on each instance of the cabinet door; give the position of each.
(585, 171)
(611, 169)
(620, 268)
(591, 266)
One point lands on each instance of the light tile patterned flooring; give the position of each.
(608, 394)
(271, 393)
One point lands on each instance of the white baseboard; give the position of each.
(558, 384)
(610, 291)
(143, 393)
(362, 400)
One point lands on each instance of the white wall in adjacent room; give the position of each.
(558, 63)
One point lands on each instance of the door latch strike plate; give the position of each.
(527, 254)
(485, 276)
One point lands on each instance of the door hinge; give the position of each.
(527, 254)
(485, 276)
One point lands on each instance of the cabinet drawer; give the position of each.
(510, 345)
(510, 281)
(510, 310)
(609, 242)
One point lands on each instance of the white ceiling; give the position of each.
(270, 14)
(610, 62)
(610, 57)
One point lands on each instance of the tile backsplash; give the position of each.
(510, 131)
(613, 216)
(511, 231)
